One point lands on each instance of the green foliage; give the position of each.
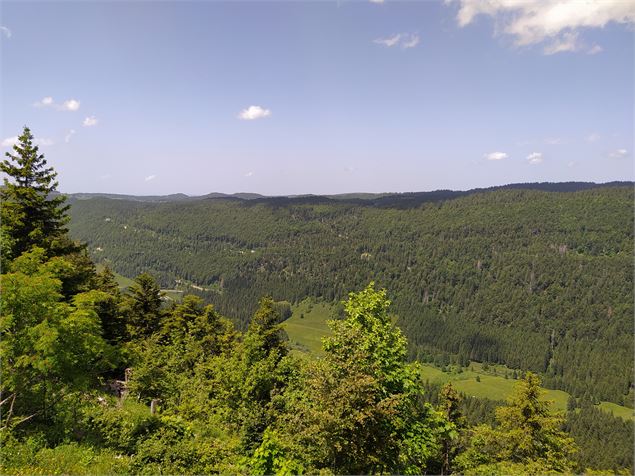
(359, 410)
(543, 283)
(30, 216)
(142, 307)
(528, 436)
(119, 427)
(271, 457)
(229, 402)
(175, 450)
(191, 335)
(605, 442)
(49, 347)
(31, 457)
(454, 421)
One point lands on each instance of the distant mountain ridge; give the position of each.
(175, 197)
(383, 199)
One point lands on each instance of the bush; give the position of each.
(29, 457)
(120, 428)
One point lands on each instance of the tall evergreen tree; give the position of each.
(142, 307)
(30, 215)
(529, 438)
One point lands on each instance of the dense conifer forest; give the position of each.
(538, 280)
(100, 380)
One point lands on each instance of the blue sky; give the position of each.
(320, 97)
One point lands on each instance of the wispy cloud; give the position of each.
(535, 158)
(150, 178)
(376, 1)
(68, 105)
(40, 141)
(619, 154)
(566, 42)
(69, 135)
(411, 42)
(595, 49)
(593, 137)
(496, 156)
(554, 141)
(404, 40)
(10, 141)
(389, 42)
(249, 174)
(90, 121)
(6, 32)
(44, 102)
(44, 141)
(557, 22)
(254, 112)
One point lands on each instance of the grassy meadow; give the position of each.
(307, 326)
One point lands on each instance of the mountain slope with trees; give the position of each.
(95, 380)
(534, 279)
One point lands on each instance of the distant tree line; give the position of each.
(536, 280)
(96, 380)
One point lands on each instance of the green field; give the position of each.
(492, 384)
(618, 410)
(307, 326)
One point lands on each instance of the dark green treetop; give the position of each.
(30, 215)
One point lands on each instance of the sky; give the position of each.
(323, 97)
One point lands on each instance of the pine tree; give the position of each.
(143, 307)
(528, 439)
(30, 215)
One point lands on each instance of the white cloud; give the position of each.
(376, 1)
(405, 40)
(593, 137)
(150, 177)
(619, 153)
(496, 156)
(254, 112)
(70, 105)
(554, 141)
(6, 32)
(249, 174)
(390, 41)
(90, 121)
(595, 49)
(44, 141)
(45, 102)
(535, 158)
(531, 22)
(69, 135)
(567, 42)
(411, 42)
(10, 141)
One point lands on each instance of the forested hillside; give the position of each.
(538, 280)
(96, 380)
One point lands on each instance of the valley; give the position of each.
(532, 279)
